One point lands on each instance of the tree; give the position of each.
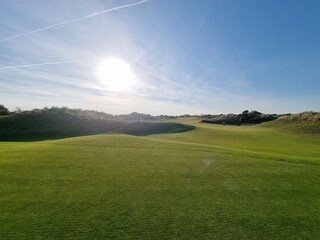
(245, 112)
(4, 110)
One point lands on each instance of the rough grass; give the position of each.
(58, 123)
(305, 123)
(215, 182)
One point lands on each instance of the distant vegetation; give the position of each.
(245, 118)
(51, 123)
(306, 122)
(136, 117)
(60, 122)
(4, 110)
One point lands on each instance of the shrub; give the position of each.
(4, 110)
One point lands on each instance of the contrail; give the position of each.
(73, 20)
(38, 64)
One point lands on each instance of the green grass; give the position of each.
(214, 182)
(56, 123)
(302, 123)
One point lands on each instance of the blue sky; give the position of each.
(189, 56)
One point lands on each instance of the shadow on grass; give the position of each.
(54, 130)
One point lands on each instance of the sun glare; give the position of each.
(116, 75)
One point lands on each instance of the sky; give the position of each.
(187, 56)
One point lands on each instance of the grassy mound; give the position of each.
(306, 122)
(56, 123)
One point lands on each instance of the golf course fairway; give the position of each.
(213, 182)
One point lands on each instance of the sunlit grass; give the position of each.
(214, 182)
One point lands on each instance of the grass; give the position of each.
(55, 123)
(305, 123)
(214, 182)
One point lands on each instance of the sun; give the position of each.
(116, 75)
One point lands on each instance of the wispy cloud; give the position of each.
(39, 64)
(175, 76)
(73, 20)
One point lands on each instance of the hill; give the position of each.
(306, 122)
(52, 123)
(134, 116)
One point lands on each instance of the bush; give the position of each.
(246, 117)
(4, 110)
